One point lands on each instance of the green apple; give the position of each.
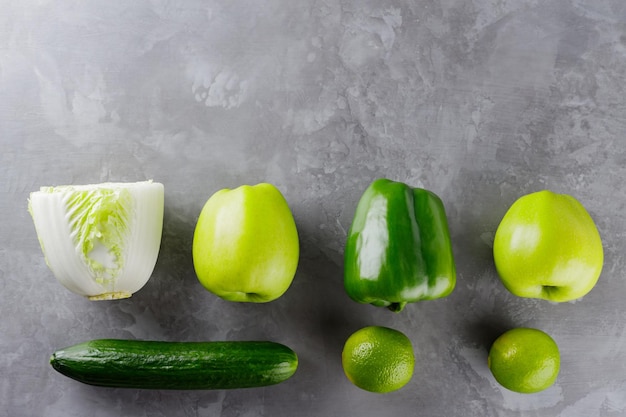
(547, 246)
(245, 245)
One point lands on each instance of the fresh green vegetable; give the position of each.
(245, 245)
(398, 249)
(547, 246)
(176, 365)
(100, 240)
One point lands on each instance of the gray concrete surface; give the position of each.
(480, 101)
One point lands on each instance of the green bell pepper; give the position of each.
(398, 249)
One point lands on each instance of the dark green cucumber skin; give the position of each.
(176, 365)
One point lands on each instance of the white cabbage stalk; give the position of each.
(101, 241)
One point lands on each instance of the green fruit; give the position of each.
(547, 246)
(525, 360)
(398, 248)
(378, 359)
(176, 365)
(245, 245)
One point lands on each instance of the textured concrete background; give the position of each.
(480, 101)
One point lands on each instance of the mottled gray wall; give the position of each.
(480, 101)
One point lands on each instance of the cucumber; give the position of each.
(176, 365)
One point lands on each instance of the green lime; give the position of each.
(378, 359)
(524, 360)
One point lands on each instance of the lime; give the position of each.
(378, 359)
(524, 360)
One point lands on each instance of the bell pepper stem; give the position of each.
(396, 307)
